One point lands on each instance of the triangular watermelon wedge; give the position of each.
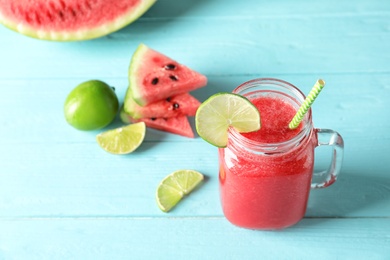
(154, 76)
(178, 105)
(175, 125)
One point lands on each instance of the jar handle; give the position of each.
(328, 177)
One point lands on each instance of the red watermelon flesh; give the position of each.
(182, 104)
(176, 125)
(154, 76)
(66, 20)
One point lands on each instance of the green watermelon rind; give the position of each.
(124, 116)
(129, 106)
(84, 33)
(135, 60)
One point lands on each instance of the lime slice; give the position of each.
(175, 186)
(122, 140)
(222, 110)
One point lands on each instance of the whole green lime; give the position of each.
(91, 105)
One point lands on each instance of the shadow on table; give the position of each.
(355, 194)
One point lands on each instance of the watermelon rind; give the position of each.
(125, 118)
(81, 33)
(135, 60)
(130, 104)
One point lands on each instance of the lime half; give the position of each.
(122, 140)
(222, 110)
(175, 186)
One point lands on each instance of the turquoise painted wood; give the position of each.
(62, 197)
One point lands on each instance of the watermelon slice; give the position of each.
(154, 76)
(182, 104)
(66, 20)
(177, 125)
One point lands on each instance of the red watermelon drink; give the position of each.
(265, 176)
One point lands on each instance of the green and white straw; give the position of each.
(307, 104)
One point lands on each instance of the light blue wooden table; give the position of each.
(62, 197)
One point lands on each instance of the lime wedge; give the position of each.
(222, 110)
(175, 186)
(122, 140)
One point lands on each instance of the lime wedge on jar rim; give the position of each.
(175, 186)
(122, 140)
(221, 111)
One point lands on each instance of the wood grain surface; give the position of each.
(62, 197)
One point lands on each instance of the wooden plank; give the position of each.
(48, 168)
(190, 238)
(346, 104)
(82, 179)
(62, 197)
(77, 179)
(327, 42)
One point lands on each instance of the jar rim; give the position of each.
(274, 146)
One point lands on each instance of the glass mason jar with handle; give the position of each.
(265, 181)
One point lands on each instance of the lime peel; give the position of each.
(175, 186)
(221, 111)
(122, 140)
(91, 105)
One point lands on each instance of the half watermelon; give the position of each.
(67, 20)
(154, 76)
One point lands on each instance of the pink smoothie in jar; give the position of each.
(265, 176)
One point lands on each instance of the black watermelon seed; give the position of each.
(173, 77)
(168, 99)
(170, 66)
(153, 118)
(175, 106)
(154, 81)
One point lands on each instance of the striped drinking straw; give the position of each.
(318, 86)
